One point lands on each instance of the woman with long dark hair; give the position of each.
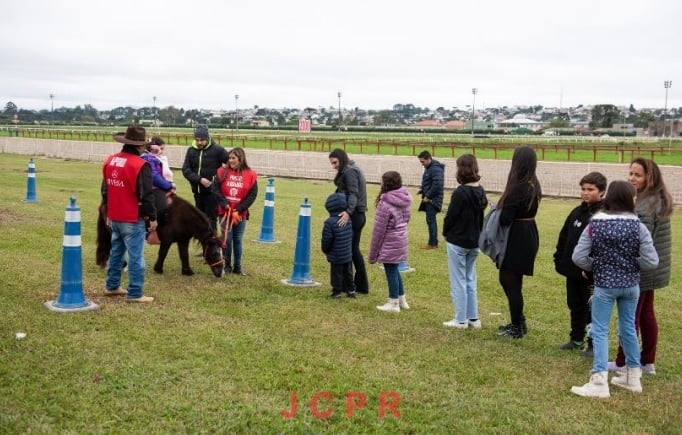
(653, 206)
(518, 206)
(350, 181)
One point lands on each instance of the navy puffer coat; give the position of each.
(337, 241)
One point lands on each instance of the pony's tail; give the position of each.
(103, 238)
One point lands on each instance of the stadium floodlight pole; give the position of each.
(474, 91)
(338, 94)
(236, 112)
(667, 85)
(154, 110)
(52, 108)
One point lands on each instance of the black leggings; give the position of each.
(512, 283)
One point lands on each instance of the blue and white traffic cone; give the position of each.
(267, 231)
(301, 273)
(71, 297)
(31, 182)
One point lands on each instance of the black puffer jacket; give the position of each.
(336, 240)
(203, 163)
(433, 183)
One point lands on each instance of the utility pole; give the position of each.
(474, 91)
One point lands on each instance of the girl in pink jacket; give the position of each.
(389, 236)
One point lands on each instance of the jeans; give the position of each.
(647, 326)
(602, 307)
(233, 243)
(462, 269)
(431, 224)
(395, 281)
(127, 236)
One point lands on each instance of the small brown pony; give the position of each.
(183, 222)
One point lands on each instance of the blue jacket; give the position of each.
(433, 183)
(337, 241)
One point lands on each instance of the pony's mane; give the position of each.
(193, 210)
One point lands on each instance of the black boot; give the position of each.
(238, 270)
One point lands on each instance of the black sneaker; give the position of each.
(352, 295)
(510, 331)
(572, 345)
(335, 295)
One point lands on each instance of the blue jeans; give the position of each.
(602, 307)
(233, 243)
(462, 270)
(431, 224)
(395, 281)
(127, 237)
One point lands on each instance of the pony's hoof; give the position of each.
(188, 272)
(158, 270)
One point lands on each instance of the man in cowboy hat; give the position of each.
(201, 163)
(129, 200)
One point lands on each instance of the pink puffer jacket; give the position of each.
(389, 235)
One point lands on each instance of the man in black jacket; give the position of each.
(202, 161)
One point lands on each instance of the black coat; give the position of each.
(203, 163)
(569, 235)
(524, 241)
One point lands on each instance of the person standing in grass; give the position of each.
(517, 207)
(237, 187)
(579, 283)
(202, 161)
(462, 227)
(350, 180)
(337, 244)
(615, 246)
(654, 206)
(431, 190)
(127, 194)
(389, 236)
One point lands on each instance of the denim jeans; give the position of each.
(395, 281)
(127, 237)
(431, 224)
(602, 307)
(462, 269)
(233, 243)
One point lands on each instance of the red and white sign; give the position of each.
(304, 126)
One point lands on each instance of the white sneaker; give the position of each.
(597, 387)
(649, 369)
(455, 324)
(476, 324)
(402, 302)
(630, 379)
(390, 306)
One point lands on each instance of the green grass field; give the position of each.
(225, 355)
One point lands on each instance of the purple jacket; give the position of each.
(389, 236)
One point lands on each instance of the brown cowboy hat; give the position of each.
(133, 136)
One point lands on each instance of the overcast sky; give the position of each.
(301, 53)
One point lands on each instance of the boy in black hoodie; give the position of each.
(579, 283)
